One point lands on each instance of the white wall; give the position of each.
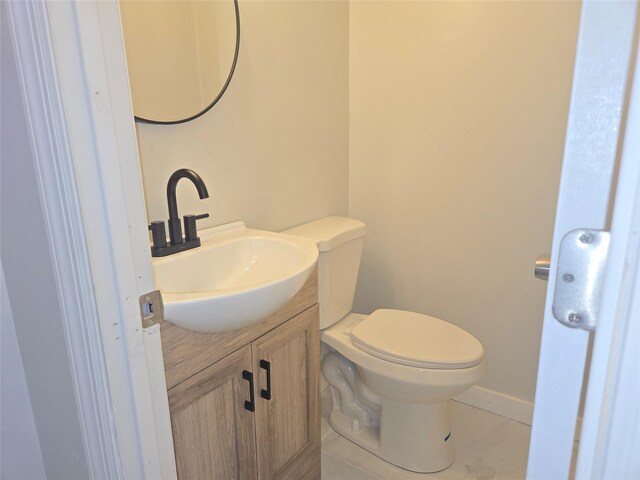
(457, 123)
(35, 309)
(18, 433)
(274, 151)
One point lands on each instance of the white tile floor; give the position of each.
(487, 446)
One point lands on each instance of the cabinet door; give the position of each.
(288, 425)
(213, 433)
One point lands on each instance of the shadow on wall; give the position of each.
(373, 277)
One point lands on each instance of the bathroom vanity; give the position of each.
(244, 403)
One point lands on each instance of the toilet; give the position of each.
(391, 373)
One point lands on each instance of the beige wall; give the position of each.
(274, 151)
(457, 122)
(439, 124)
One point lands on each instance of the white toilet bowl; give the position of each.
(398, 411)
(392, 372)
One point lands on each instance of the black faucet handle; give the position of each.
(158, 234)
(190, 229)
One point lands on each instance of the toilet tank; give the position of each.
(339, 241)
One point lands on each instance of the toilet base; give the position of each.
(413, 437)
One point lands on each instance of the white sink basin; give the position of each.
(237, 277)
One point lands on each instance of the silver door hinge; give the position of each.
(579, 278)
(151, 308)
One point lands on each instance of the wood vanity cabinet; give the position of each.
(213, 436)
(210, 380)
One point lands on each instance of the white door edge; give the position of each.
(84, 143)
(612, 412)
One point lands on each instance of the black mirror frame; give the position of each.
(224, 87)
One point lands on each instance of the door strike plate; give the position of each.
(151, 308)
(581, 267)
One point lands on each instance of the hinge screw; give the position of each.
(574, 318)
(567, 277)
(586, 238)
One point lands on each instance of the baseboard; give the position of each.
(498, 403)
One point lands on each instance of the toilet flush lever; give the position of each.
(582, 259)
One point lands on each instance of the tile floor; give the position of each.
(487, 446)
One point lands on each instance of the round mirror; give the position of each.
(181, 55)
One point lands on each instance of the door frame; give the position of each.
(611, 421)
(71, 63)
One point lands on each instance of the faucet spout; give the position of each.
(175, 231)
(173, 183)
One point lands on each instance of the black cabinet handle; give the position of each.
(249, 404)
(266, 394)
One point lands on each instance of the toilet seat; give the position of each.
(416, 340)
(414, 384)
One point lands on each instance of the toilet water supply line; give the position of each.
(341, 374)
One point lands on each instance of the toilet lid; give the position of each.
(417, 340)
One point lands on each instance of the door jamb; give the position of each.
(76, 98)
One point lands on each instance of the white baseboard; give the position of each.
(504, 405)
(498, 403)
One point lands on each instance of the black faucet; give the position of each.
(160, 248)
